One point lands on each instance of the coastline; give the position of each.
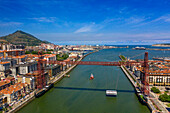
(59, 77)
(160, 45)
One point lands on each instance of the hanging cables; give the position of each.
(117, 81)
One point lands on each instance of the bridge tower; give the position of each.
(40, 75)
(145, 88)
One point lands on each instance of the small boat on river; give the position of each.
(111, 93)
(91, 77)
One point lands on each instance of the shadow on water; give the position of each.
(93, 89)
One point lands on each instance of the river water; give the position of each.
(78, 94)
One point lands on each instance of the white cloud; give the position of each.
(152, 37)
(87, 28)
(10, 23)
(45, 19)
(165, 18)
(84, 29)
(123, 10)
(134, 20)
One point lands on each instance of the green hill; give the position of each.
(20, 37)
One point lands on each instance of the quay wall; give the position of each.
(22, 104)
(149, 103)
(128, 76)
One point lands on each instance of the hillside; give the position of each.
(162, 45)
(20, 37)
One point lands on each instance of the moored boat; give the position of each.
(139, 48)
(40, 92)
(49, 86)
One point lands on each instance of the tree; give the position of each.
(48, 52)
(164, 97)
(49, 49)
(27, 52)
(34, 52)
(63, 57)
(155, 90)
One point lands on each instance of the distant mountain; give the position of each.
(20, 37)
(162, 45)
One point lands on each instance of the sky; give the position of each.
(99, 21)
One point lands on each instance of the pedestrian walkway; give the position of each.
(158, 104)
(151, 100)
(22, 102)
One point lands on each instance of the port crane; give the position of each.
(145, 81)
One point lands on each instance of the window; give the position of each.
(159, 80)
(167, 80)
(150, 79)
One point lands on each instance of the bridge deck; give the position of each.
(92, 63)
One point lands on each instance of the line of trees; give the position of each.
(36, 52)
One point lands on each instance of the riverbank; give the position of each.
(58, 77)
(23, 102)
(137, 90)
(151, 102)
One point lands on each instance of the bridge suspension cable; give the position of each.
(117, 81)
(136, 55)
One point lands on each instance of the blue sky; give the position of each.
(117, 21)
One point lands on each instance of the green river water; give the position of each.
(78, 94)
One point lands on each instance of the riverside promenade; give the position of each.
(133, 82)
(152, 103)
(61, 75)
(22, 102)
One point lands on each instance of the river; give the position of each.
(78, 94)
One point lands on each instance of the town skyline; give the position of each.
(103, 21)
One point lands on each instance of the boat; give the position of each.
(111, 93)
(91, 77)
(49, 86)
(67, 76)
(139, 48)
(40, 92)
